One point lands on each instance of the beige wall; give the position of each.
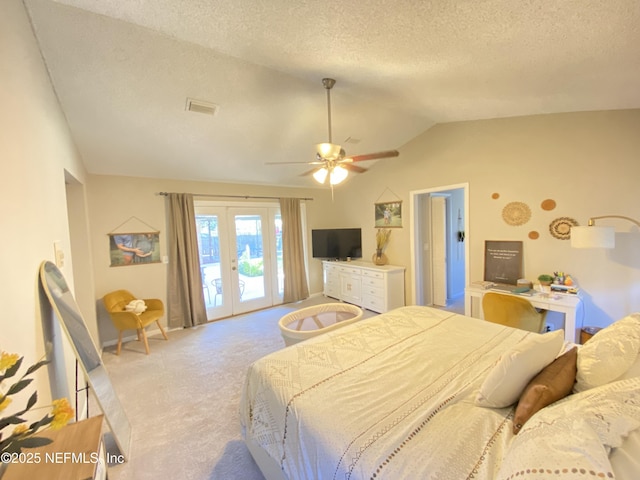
(134, 202)
(35, 150)
(589, 163)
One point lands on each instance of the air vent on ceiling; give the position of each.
(200, 106)
(352, 141)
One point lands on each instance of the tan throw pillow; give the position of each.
(553, 383)
(507, 379)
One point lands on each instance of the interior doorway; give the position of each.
(439, 228)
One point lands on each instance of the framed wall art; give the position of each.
(134, 248)
(388, 214)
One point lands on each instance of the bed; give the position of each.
(420, 393)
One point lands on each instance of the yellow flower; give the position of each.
(62, 413)
(5, 403)
(8, 360)
(20, 429)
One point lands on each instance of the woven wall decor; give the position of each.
(560, 228)
(533, 235)
(495, 196)
(548, 204)
(516, 213)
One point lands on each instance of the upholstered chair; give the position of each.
(116, 304)
(512, 311)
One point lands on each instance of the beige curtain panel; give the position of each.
(295, 275)
(185, 305)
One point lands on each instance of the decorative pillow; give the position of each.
(572, 438)
(609, 353)
(554, 382)
(634, 370)
(516, 367)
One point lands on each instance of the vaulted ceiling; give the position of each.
(123, 71)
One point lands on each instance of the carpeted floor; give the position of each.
(182, 399)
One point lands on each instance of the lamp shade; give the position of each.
(593, 237)
(338, 174)
(321, 175)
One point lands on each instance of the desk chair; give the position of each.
(512, 311)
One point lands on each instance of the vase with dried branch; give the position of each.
(382, 240)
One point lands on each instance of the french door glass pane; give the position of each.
(209, 247)
(279, 267)
(250, 257)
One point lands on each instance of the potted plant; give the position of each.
(545, 279)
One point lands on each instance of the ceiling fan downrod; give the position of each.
(328, 84)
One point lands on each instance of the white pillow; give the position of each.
(634, 371)
(516, 367)
(609, 353)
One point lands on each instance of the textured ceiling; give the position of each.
(123, 71)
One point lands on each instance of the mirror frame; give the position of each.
(66, 310)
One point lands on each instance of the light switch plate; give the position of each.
(58, 254)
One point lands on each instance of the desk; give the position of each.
(566, 304)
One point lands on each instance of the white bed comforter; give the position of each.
(389, 397)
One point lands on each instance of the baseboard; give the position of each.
(150, 333)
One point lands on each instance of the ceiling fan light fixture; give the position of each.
(320, 175)
(328, 151)
(338, 175)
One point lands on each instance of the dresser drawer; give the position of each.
(372, 274)
(374, 303)
(351, 270)
(372, 282)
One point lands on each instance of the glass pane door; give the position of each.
(251, 267)
(214, 261)
(240, 257)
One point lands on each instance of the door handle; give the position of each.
(233, 268)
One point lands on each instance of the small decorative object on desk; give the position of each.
(382, 240)
(562, 282)
(23, 434)
(545, 279)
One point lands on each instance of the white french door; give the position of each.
(240, 257)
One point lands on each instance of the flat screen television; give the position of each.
(337, 243)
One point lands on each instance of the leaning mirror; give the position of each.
(66, 310)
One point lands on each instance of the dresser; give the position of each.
(376, 288)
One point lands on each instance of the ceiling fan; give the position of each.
(332, 162)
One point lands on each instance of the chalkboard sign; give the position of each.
(502, 261)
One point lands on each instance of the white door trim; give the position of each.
(414, 224)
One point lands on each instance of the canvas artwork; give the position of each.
(388, 214)
(134, 248)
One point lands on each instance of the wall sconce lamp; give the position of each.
(593, 236)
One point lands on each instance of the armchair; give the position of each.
(116, 303)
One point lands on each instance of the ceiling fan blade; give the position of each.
(294, 163)
(372, 156)
(354, 168)
(308, 172)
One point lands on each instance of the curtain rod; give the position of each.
(246, 197)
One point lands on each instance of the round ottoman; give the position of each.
(311, 321)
